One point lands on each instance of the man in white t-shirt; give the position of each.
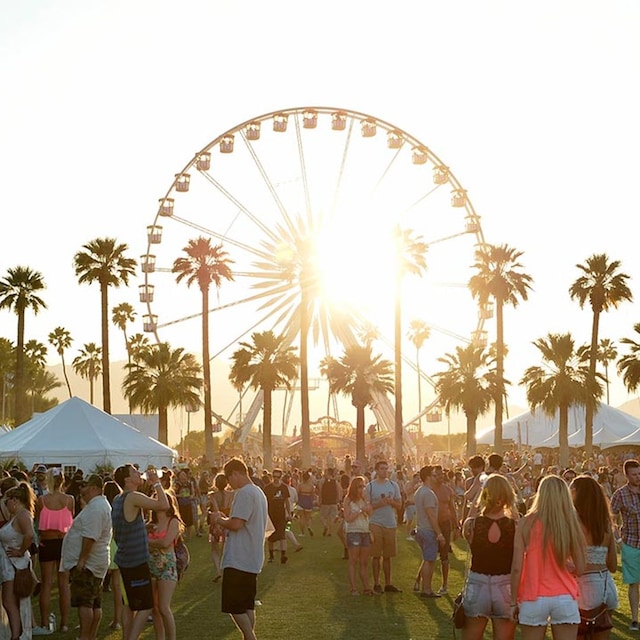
(243, 554)
(85, 554)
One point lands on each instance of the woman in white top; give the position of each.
(356, 525)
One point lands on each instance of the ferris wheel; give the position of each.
(312, 199)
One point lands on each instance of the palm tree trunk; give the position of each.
(304, 380)
(497, 434)
(206, 371)
(471, 434)
(163, 425)
(419, 391)
(106, 377)
(266, 430)
(91, 389)
(64, 372)
(589, 409)
(563, 435)
(126, 346)
(360, 443)
(398, 368)
(19, 388)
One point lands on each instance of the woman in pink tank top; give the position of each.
(54, 516)
(549, 552)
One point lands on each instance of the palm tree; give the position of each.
(88, 365)
(204, 265)
(137, 344)
(410, 259)
(19, 292)
(7, 374)
(607, 352)
(499, 277)
(629, 365)
(604, 287)
(419, 332)
(61, 339)
(267, 363)
(121, 315)
(104, 261)
(563, 380)
(163, 378)
(469, 383)
(360, 375)
(41, 383)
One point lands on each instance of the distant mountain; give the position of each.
(632, 407)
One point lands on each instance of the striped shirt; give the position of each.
(131, 537)
(626, 502)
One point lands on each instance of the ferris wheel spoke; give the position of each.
(386, 171)
(303, 172)
(222, 237)
(269, 183)
(421, 199)
(341, 171)
(264, 228)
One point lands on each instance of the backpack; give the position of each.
(329, 492)
(183, 557)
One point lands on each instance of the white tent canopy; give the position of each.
(536, 429)
(75, 433)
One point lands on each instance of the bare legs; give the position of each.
(386, 569)
(163, 620)
(116, 589)
(12, 606)
(89, 622)
(359, 563)
(47, 572)
(633, 600)
(246, 623)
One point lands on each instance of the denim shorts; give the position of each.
(428, 542)
(487, 596)
(549, 610)
(595, 588)
(358, 539)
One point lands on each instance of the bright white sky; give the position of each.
(534, 107)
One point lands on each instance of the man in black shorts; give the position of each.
(132, 554)
(243, 554)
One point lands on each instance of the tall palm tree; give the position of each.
(419, 332)
(360, 375)
(410, 259)
(103, 260)
(469, 383)
(604, 287)
(61, 339)
(499, 277)
(204, 265)
(7, 375)
(40, 384)
(19, 292)
(562, 380)
(121, 315)
(88, 365)
(607, 352)
(37, 380)
(163, 378)
(266, 363)
(629, 365)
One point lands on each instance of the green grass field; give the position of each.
(308, 598)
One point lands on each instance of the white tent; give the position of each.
(536, 429)
(75, 433)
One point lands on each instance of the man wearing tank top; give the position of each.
(130, 535)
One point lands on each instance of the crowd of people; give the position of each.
(542, 540)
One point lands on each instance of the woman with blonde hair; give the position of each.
(596, 585)
(219, 499)
(16, 537)
(549, 552)
(164, 530)
(54, 515)
(490, 534)
(356, 511)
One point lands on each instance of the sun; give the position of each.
(357, 267)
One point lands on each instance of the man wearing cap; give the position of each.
(85, 554)
(39, 482)
(130, 535)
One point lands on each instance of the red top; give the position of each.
(541, 574)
